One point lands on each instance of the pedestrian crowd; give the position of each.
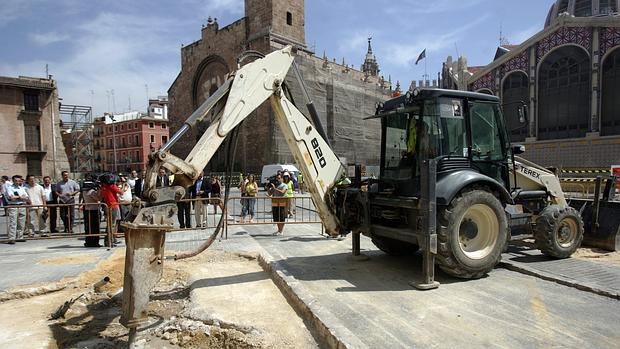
(33, 205)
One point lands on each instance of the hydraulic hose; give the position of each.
(231, 149)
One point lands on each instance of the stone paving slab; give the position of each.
(25, 262)
(588, 276)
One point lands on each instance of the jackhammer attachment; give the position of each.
(145, 235)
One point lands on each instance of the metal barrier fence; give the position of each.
(35, 222)
(258, 211)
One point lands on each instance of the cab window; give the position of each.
(485, 130)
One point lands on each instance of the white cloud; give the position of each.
(403, 54)
(354, 42)
(111, 52)
(520, 36)
(11, 10)
(43, 39)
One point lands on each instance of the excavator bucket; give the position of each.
(601, 217)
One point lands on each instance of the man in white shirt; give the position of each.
(35, 214)
(51, 199)
(16, 196)
(132, 181)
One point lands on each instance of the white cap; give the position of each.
(286, 174)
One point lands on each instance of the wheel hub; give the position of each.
(478, 231)
(469, 229)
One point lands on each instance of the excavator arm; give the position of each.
(243, 92)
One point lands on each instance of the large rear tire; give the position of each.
(558, 231)
(394, 247)
(472, 233)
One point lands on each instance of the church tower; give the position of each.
(370, 66)
(281, 20)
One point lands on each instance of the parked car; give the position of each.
(272, 170)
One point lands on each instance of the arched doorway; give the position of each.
(515, 90)
(610, 101)
(564, 94)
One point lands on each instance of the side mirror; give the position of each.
(518, 149)
(522, 114)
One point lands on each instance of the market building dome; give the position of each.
(581, 8)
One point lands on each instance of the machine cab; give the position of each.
(462, 130)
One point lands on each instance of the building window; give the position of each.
(583, 8)
(31, 101)
(152, 138)
(122, 127)
(110, 129)
(33, 166)
(564, 94)
(136, 141)
(151, 125)
(563, 6)
(32, 135)
(122, 142)
(607, 7)
(164, 139)
(514, 91)
(110, 144)
(289, 18)
(164, 126)
(610, 103)
(137, 156)
(135, 125)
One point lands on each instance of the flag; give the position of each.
(421, 57)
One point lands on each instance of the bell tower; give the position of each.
(281, 20)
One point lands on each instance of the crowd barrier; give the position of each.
(298, 210)
(37, 221)
(239, 211)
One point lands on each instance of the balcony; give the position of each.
(31, 149)
(30, 114)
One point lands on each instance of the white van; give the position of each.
(270, 170)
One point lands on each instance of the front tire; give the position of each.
(472, 234)
(558, 231)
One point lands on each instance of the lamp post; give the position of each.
(113, 139)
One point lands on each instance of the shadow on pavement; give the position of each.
(88, 325)
(389, 273)
(230, 280)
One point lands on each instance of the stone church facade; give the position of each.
(569, 76)
(343, 95)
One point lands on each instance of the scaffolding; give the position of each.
(76, 124)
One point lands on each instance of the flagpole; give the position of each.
(425, 72)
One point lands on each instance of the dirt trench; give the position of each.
(178, 319)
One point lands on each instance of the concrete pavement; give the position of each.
(374, 301)
(371, 304)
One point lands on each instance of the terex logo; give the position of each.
(528, 172)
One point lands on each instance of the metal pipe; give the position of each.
(314, 116)
(199, 114)
(97, 286)
(597, 204)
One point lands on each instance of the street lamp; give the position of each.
(113, 138)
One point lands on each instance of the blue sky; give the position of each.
(106, 53)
